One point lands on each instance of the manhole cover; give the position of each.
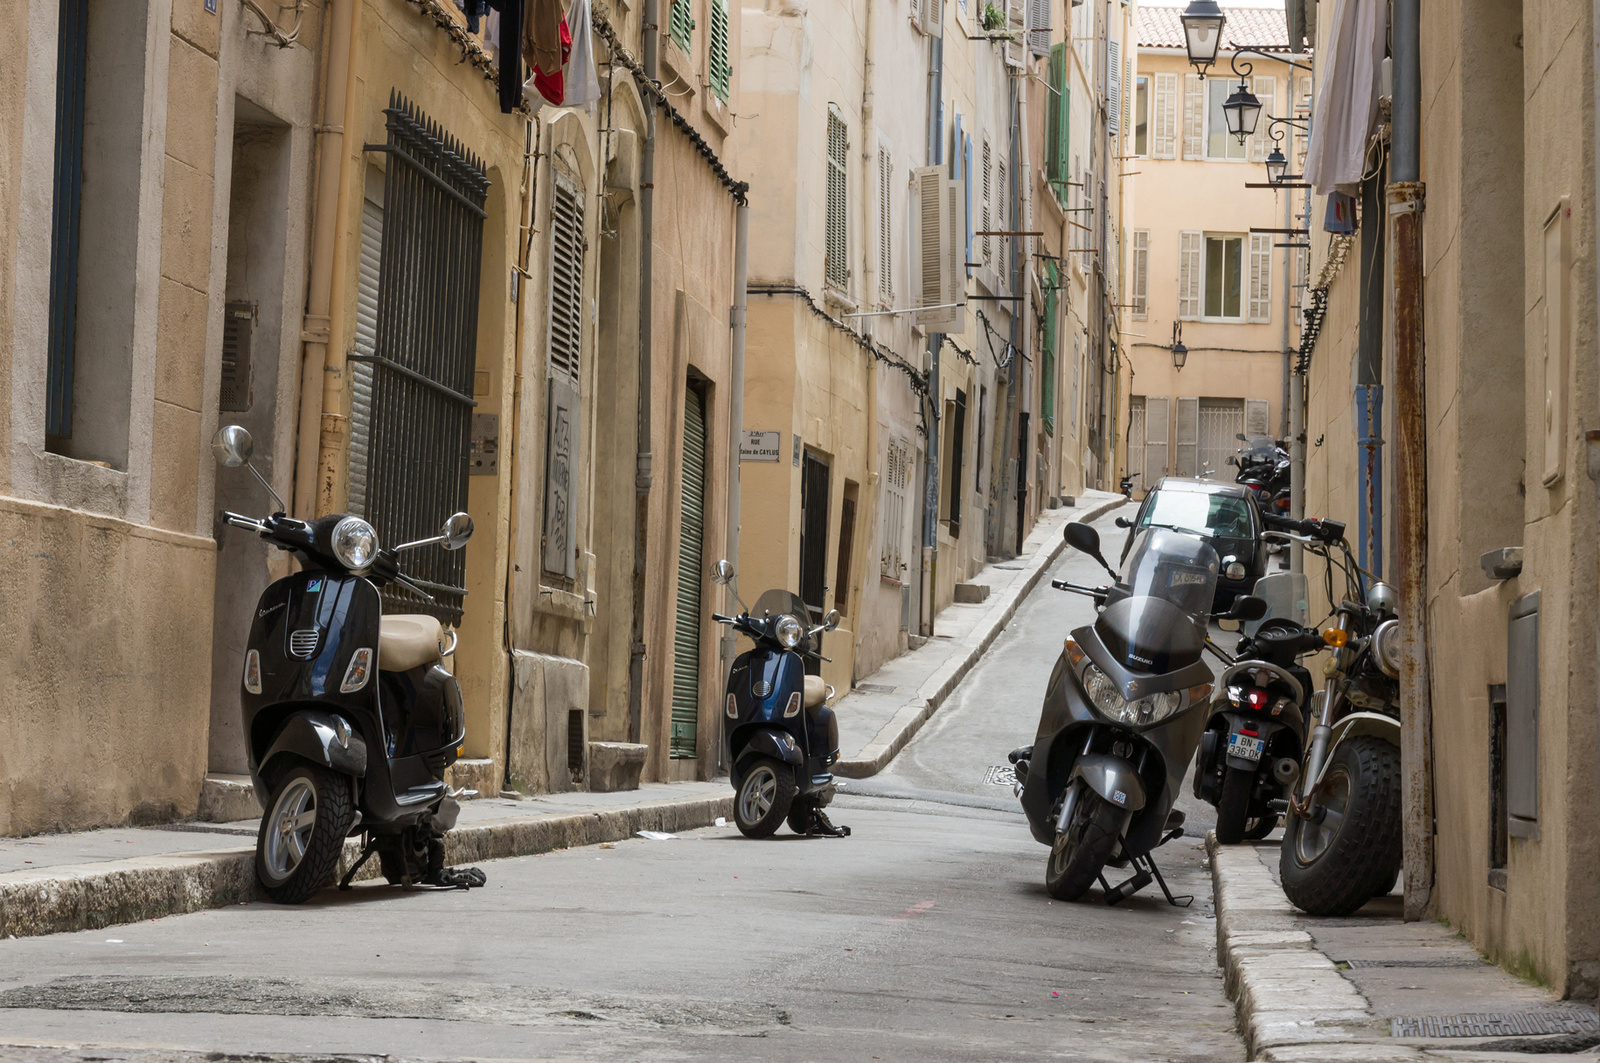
(1000, 775)
(1463, 962)
(1570, 1020)
(875, 688)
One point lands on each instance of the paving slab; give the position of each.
(888, 707)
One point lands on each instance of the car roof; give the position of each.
(1209, 487)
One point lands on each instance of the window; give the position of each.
(1224, 271)
(1114, 88)
(988, 178)
(1260, 277)
(896, 486)
(1164, 135)
(1002, 200)
(1058, 123)
(720, 66)
(1220, 144)
(837, 267)
(681, 24)
(1141, 115)
(885, 228)
(71, 76)
(1141, 275)
(847, 546)
(956, 440)
(1266, 90)
(1221, 516)
(1052, 339)
(1190, 268)
(1038, 27)
(564, 375)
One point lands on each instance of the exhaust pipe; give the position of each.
(1286, 770)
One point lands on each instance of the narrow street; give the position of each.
(926, 935)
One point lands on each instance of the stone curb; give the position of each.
(905, 724)
(62, 899)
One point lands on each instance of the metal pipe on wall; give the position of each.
(1405, 200)
(741, 275)
(334, 174)
(930, 482)
(642, 460)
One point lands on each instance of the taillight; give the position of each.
(1257, 698)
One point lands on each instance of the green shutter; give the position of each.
(686, 641)
(681, 24)
(1058, 124)
(1051, 338)
(721, 68)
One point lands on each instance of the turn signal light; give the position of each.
(793, 708)
(252, 672)
(1335, 637)
(1075, 654)
(1198, 694)
(733, 708)
(355, 676)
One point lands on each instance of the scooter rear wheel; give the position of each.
(766, 790)
(1233, 807)
(302, 836)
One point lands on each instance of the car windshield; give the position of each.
(1204, 513)
(1178, 568)
(774, 602)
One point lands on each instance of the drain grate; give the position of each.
(1492, 1024)
(875, 688)
(1463, 962)
(204, 828)
(1000, 775)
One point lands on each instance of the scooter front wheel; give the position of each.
(1081, 850)
(302, 835)
(765, 793)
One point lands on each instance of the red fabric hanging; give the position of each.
(553, 86)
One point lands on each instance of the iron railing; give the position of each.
(425, 351)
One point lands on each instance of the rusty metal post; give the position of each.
(1411, 545)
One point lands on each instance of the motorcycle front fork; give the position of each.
(1317, 750)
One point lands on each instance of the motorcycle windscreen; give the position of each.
(776, 601)
(1173, 567)
(1258, 449)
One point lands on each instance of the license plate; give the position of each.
(1246, 747)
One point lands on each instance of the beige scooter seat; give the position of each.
(407, 640)
(816, 691)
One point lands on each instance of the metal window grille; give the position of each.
(72, 67)
(681, 24)
(721, 66)
(838, 232)
(425, 350)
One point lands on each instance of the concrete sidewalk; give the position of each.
(88, 879)
(888, 707)
(1372, 987)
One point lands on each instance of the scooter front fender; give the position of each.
(319, 737)
(771, 742)
(1358, 723)
(1113, 778)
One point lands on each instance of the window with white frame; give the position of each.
(837, 267)
(1141, 115)
(1220, 144)
(1140, 296)
(1211, 276)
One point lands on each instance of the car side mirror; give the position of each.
(1124, 522)
(1084, 539)
(232, 446)
(457, 531)
(721, 573)
(830, 621)
(1246, 607)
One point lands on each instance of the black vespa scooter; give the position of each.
(1117, 729)
(350, 716)
(782, 737)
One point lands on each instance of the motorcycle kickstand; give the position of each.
(366, 853)
(1176, 902)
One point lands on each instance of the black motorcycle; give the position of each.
(783, 740)
(350, 716)
(1118, 728)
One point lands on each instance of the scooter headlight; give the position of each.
(355, 544)
(788, 631)
(1109, 702)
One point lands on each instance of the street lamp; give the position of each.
(1277, 166)
(1180, 355)
(1242, 110)
(1202, 32)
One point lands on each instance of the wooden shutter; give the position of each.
(1266, 90)
(1114, 87)
(1058, 125)
(1188, 436)
(1164, 125)
(987, 177)
(932, 15)
(564, 376)
(691, 554)
(937, 259)
(1256, 418)
(1189, 273)
(1260, 309)
(681, 24)
(721, 66)
(1141, 275)
(914, 13)
(366, 342)
(1155, 439)
(1002, 201)
(1136, 433)
(898, 463)
(837, 267)
(1194, 117)
(885, 227)
(1039, 27)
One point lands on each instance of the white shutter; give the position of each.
(932, 15)
(837, 228)
(1002, 200)
(1304, 105)
(1114, 87)
(1266, 90)
(1136, 435)
(1188, 435)
(1255, 418)
(1141, 275)
(1260, 277)
(1039, 27)
(564, 377)
(1194, 117)
(896, 480)
(915, 15)
(1189, 271)
(1164, 142)
(885, 228)
(954, 259)
(987, 221)
(937, 250)
(1155, 440)
(366, 342)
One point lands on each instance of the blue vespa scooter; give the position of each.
(782, 737)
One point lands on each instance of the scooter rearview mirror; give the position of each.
(830, 621)
(721, 573)
(1247, 607)
(1084, 539)
(456, 531)
(1123, 522)
(232, 446)
(1241, 437)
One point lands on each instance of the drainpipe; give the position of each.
(1405, 200)
(930, 485)
(868, 149)
(641, 476)
(1022, 272)
(741, 259)
(321, 430)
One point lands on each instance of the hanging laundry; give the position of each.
(474, 10)
(545, 37)
(582, 81)
(1341, 214)
(510, 83)
(550, 86)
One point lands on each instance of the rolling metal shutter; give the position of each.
(686, 641)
